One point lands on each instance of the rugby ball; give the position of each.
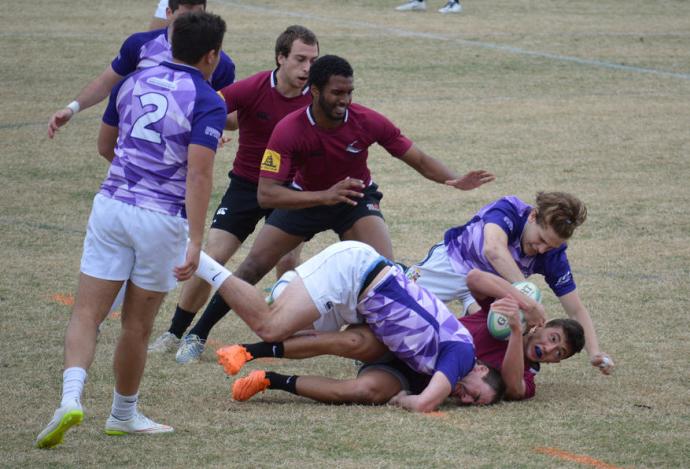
(280, 285)
(498, 323)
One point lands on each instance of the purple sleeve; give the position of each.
(128, 58)
(455, 360)
(505, 215)
(208, 120)
(224, 74)
(557, 272)
(111, 116)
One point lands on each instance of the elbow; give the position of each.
(264, 198)
(491, 253)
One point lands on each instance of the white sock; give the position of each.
(124, 407)
(211, 271)
(73, 380)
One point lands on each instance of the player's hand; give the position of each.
(191, 263)
(535, 316)
(59, 119)
(509, 308)
(396, 400)
(348, 191)
(603, 362)
(471, 180)
(223, 140)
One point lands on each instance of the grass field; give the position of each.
(591, 97)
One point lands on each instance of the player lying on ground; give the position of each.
(255, 105)
(158, 188)
(514, 240)
(325, 147)
(518, 359)
(350, 283)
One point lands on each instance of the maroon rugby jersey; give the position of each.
(492, 351)
(325, 156)
(259, 108)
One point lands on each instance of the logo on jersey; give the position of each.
(271, 161)
(329, 305)
(563, 279)
(211, 132)
(168, 85)
(222, 211)
(351, 148)
(508, 222)
(373, 207)
(413, 273)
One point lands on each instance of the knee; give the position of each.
(269, 333)
(368, 392)
(363, 345)
(252, 269)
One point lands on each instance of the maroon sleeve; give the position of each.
(530, 385)
(389, 136)
(234, 94)
(277, 160)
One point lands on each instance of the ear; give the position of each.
(315, 93)
(281, 60)
(532, 215)
(168, 13)
(481, 369)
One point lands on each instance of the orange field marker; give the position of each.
(437, 414)
(64, 299)
(114, 315)
(578, 458)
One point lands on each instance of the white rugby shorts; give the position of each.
(125, 242)
(333, 279)
(435, 274)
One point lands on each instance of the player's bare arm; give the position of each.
(513, 368)
(91, 94)
(199, 185)
(107, 138)
(437, 171)
(572, 304)
(429, 400)
(272, 194)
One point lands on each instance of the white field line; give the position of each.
(462, 42)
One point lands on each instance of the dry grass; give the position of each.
(494, 87)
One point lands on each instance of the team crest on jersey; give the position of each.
(413, 273)
(352, 148)
(222, 211)
(373, 207)
(271, 161)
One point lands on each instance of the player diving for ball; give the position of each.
(513, 239)
(350, 283)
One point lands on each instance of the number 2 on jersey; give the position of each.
(139, 129)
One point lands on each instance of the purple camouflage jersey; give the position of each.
(418, 328)
(464, 245)
(150, 48)
(159, 112)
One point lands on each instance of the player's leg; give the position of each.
(221, 246)
(289, 261)
(150, 279)
(374, 386)
(138, 314)
(356, 342)
(270, 245)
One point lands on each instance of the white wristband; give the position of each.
(74, 107)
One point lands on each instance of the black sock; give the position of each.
(216, 309)
(265, 349)
(180, 321)
(282, 382)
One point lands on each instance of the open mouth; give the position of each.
(538, 352)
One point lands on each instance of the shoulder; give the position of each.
(141, 38)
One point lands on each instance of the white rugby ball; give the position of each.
(498, 323)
